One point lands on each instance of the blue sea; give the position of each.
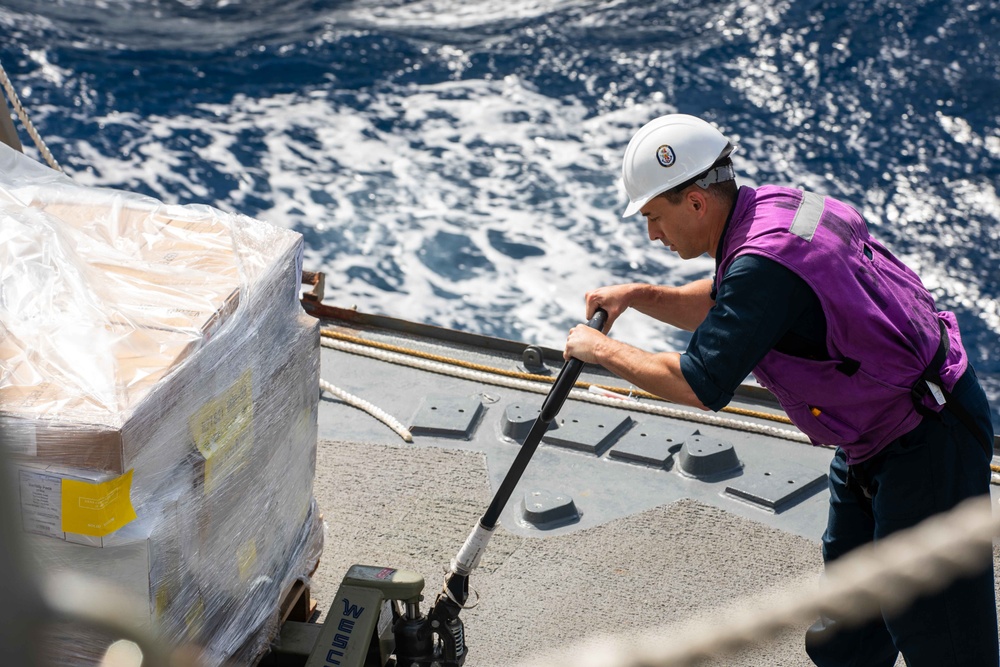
(457, 162)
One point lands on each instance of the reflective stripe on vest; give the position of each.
(807, 216)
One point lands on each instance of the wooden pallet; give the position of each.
(298, 605)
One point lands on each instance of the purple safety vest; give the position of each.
(882, 326)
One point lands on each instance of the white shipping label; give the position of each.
(41, 503)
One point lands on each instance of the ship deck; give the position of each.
(644, 542)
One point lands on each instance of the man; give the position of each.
(848, 340)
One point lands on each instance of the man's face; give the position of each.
(675, 226)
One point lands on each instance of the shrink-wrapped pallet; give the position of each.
(158, 395)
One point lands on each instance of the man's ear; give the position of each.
(697, 200)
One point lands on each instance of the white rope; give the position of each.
(371, 409)
(28, 125)
(889, 575)
(544, 388)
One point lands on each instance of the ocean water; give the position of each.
(457, 162)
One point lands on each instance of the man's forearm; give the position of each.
(658, 373)
(684, 306)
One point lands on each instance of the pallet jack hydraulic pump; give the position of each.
(375, 621)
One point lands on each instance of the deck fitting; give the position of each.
(447, 416)
(707, 458)
(651, 444)
(547, 509)
(533, 361)
(782, 485)
(517, 421)
(591, 430)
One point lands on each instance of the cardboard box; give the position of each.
(97, 396)
(151, 269)
(216, 540)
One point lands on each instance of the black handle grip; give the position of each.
(599, 319)
(568, 375)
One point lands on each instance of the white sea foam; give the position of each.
(494, 206)
(485, 202)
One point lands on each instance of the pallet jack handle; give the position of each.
(468, 556)
(443, 616)
(565, 382)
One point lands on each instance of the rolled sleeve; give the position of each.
(708, 392)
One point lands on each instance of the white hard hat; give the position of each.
(668, 151)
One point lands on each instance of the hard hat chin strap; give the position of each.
(717, 175)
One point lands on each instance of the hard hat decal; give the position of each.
(665, 156)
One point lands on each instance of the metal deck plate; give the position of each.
(592, 430)
(651, 443)
(517, 421)
(546, 509)
(447, 416)
(708, 458)
(781, 485)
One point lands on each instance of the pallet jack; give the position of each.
(375, 619)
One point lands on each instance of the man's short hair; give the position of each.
(724, 191)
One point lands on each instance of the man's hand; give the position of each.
(615, 299)
(684, 307)
(583, 343)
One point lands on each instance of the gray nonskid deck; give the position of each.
(412, 507)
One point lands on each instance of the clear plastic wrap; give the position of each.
(159, 394)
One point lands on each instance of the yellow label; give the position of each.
(97, 509)
(223, 430)
(163, 599)
(246, 558)
(195, 618)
